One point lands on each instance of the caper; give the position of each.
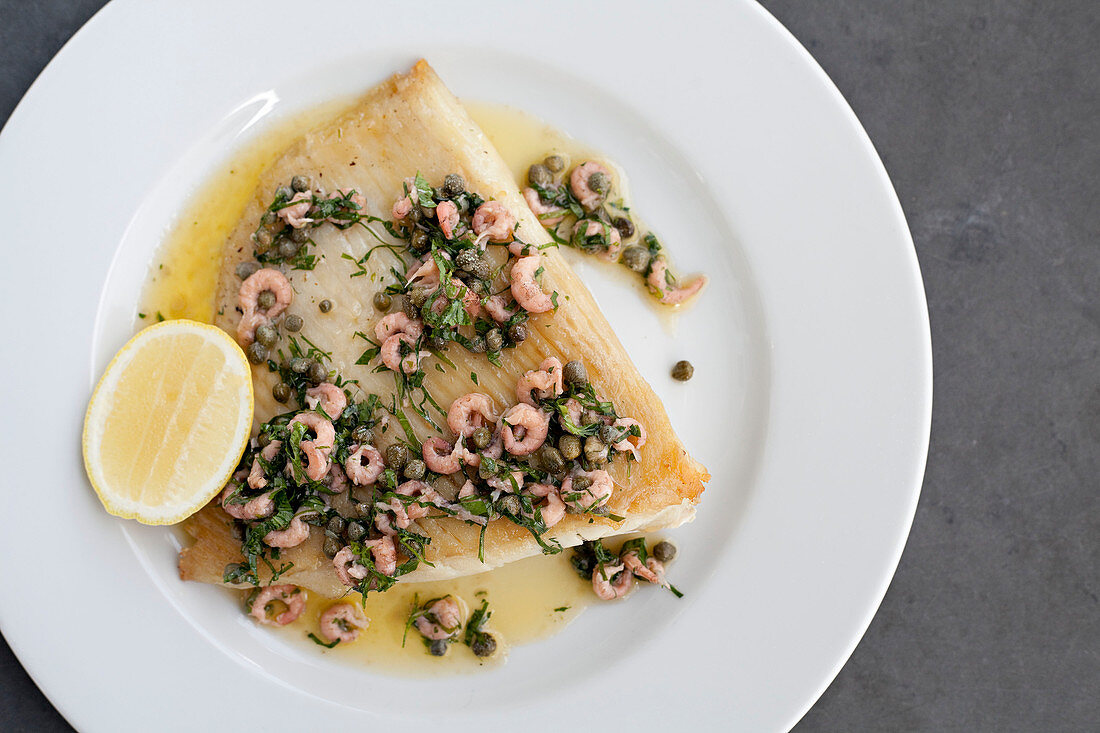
(453, 184)
(594, 448)
(636, 258)
(574, 372)
(317, 373)
(300, 364)
(293, 323)
(484, 472)
(325, 305)
(477, 344)
(419, 240)
(570, 446)
(517, 332)
(494, 340)
(599, 183)
(466, 258)
(281, 392)
(270, 220)
(539, 175)
(236, 531)
(299, 236)
(580, 483)
(356, 531)
(337, 525)
(682, 370)
(624, 225)
(257, 352)
(664, 551)
(263, 439)
(362, 508)
(382, 301)
(414, 215)
(300, 183)
(267, 335)
(482, 437)
(510, 504)
(590, 417)
(362, 435)
(552, 460)
(397, 456)
(247, 269)
(409, 308)
(438, 647)
(555, 163)
(415, 469)
(284, 192)
(332, 546)
(484, 645)
(263, 239)
(417, 296)
(266, 299)
(608, 434)
(288, 248)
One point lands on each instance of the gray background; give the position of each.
(987, 115)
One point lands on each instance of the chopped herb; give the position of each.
(317, 641)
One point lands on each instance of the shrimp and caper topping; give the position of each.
(613, 574)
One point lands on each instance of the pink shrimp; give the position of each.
(578, 181)
(348, 569)
(293, 596)
(316, 451)
(401, 208)
(499, 308)
(653, 571)
(630, 443)
(447, 619)
(494, 221)
(420, 490)
(439, 456)
(295, 213)
(384, 554)
(391, 354)
(342, 622)
(359, 474)
(292, 536)
(594, 495)
(467, 489)
(338, 479)
(447, 214)
(524, 288)
(535, 424)
(470, 412)
(395, 323)
(246, 329)
(670, 294)
(507, 485)
(605, 589)
(331, 399)
(548, 215)
(256, 508)
(614, 239)
(248, 297)
(574, 410)
(554, 510)
(256, 477)
(427, 274)
(546, 380)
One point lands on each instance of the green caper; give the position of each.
(599, 182)
(299, 236)
(580, 483)
(510, 504)
(293, 323)
(555, 163)
(417, 296)
(325, 305)
(362, 508)
(281, 392)
(683, 370)
(466, 259)
(494, 340)
(300, 364)
(590, 417)
(415, 469)
(288, 248)
(482, 437)
(535, 461)
(439, 342)
(517, 332)
(263, 239)
(300, 184)
(397, 455)
(484, 472)
(332, 546)
(624, 225)
(419, 240)
(636, 258)
(362, 435)
(539, 175)
(382, 301)
(477, 344)
(594, 448)
(257, 352)
(337, 525)
(409, 308)
(263, 439)
(453, 184)
(247, 269)
(438, 647)
(317, 373)
(570, 446)
(484, 645)
(356, 531)
(608, 434)
(265, 300)
(664, 551)
(574, 372)
(267, 335)
(284, 192)
(414, 215)
(270, 220)
(552, 460)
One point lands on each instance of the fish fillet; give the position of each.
(411, 123)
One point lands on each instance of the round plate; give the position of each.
(811, 404)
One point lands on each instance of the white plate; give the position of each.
(811, 403)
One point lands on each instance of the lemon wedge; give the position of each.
(168, 422)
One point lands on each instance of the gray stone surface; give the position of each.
(986, 114)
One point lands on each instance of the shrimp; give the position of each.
(256, 477)
(384, 554)
(447, 214)
(392, 358)
(331, 399)
(249, 299)
(317, 451)
(628, 442)
(548, 215)
(535, 424)
(554, 511)
(506, 484)
(406, 514)
(342, 622)
(441, 620)
(614, 239)
(574, 410)
(440, 457)
(467, 489)
(402, 207)
(295, 212)
(293, 596)
(396, 323)
(256, 508)
(494, 221)
(348, 569)
(359, 474)
(498, 308)
(292, 536)
(592, 496)
(338, 479)
(653, 571)
(547, 380)
(605, 588)
(578, 181)
(470, 412)
(246, 329)
(670, 294)
(524, 288)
